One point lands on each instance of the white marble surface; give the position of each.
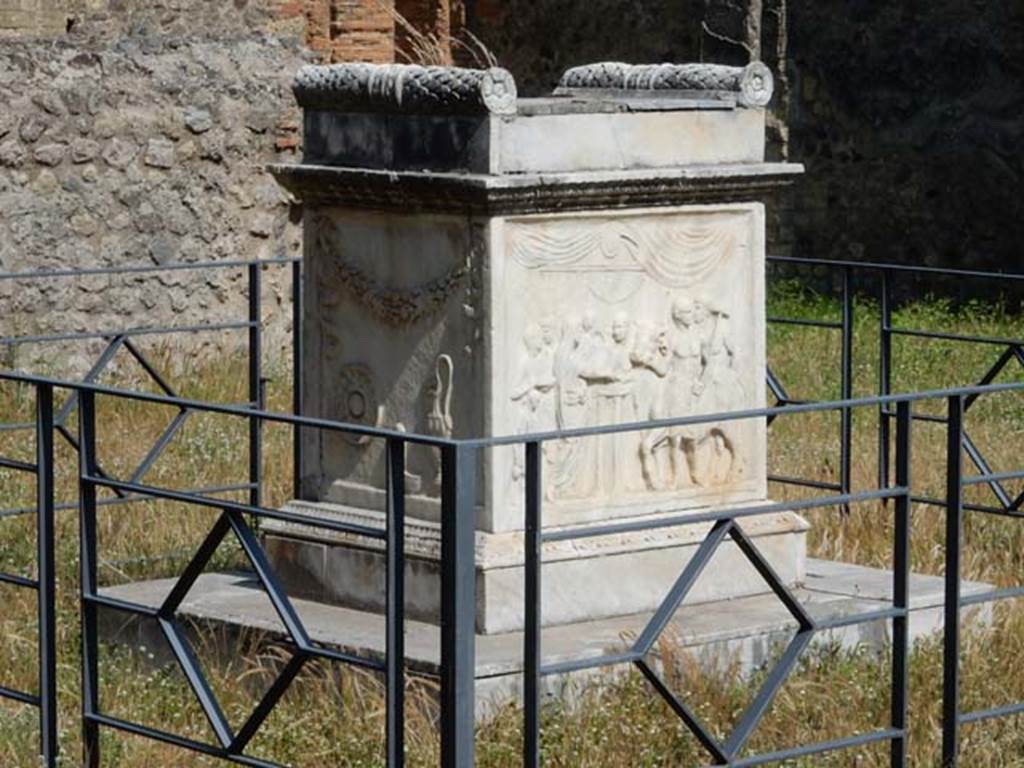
(562, 311)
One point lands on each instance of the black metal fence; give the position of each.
(124, 338)
(460, 460)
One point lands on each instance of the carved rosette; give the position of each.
(356, 399)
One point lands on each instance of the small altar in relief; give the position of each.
(479, 264)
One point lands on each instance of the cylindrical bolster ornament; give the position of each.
(406, 88)
(752, 84)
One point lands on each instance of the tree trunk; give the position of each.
(753, 27)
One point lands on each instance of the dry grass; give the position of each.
(336, 717)
(431, 49)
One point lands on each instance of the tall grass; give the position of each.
(335, 716)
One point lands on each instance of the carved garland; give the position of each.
(752, 84)
(395, 307)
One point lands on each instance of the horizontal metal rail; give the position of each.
(128, 499)
(816, 749)
(931, 501)
(968, 338)
(233, 506)
(18, 466)
(360, 430)
(693, 518)
(876, 266)
(19, 696)
(820, 485)
(988, 714)
(18, 581)
(832, 325)
(520, 439)
(992, 596)
(993, 477)
(176, 741)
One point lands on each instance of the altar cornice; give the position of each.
(499, 195)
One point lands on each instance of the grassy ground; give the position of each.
(336, 717)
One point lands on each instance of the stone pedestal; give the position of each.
(479, 265)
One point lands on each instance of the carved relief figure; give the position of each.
(608, 373)
(722, 387)
(652, 359)
(534, 392)
(572, 410)
(689, 319)
(587, 376)
(535, 389)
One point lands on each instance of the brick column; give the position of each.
(362, 30)
(432, 18)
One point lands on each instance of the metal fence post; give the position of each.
(255, 384)
(532, 608)
(884, 379)
(458, 605)
(47, 576)
(89, 583)
(846, 387)
(954, 541)
(901, 585)
(395, 671)
(297, 377)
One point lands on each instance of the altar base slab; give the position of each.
(583, 579)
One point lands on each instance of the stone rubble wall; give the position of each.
(141, 137)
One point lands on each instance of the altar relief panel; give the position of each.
(635, 317)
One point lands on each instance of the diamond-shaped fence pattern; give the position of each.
(232, 521)
(730, 749)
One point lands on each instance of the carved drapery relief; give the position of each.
(391, 305)
(676, 255)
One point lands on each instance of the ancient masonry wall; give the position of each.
(137, 132)
(140, 136)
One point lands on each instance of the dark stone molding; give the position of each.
(489, 195)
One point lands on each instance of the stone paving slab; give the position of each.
(749, 626)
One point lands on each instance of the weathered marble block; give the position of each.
(483, 265)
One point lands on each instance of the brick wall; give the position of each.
(366, 30)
